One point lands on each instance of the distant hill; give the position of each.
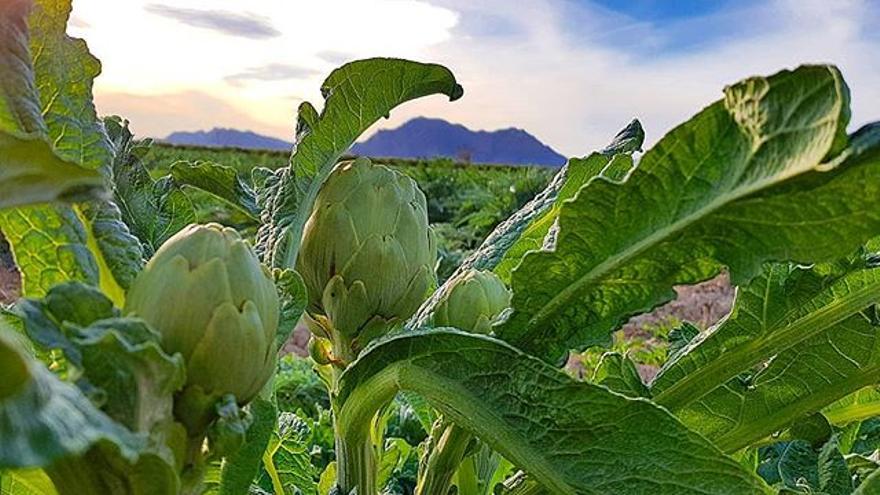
(418, 138)
(428, 138)
(227, 138)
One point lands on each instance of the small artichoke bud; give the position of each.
(367, 254)
(320, 350)
(213, 302)
(474, 301)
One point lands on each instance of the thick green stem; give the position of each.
(356, 459)
(450, 444)
(192, 478)
(355, 464)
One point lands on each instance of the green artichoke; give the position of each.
(367, 255)
(212, 301)
(473, 302)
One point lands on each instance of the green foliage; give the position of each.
(725, 199)
(780, 396)
(154, 210)
(298, 388)
(464, 202)
(53, 147)
(480, 384)
(728, 386)
(49, 137)
(375, 86)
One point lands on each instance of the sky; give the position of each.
(570, 72)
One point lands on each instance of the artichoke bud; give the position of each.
(212, 301)
(474, 301)
(367, 254)
(320, 350)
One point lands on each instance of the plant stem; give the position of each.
(355, 465)
(443, 460)
(191, 480)
(356, 462)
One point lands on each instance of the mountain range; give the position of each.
(417, 138)
(227, 138)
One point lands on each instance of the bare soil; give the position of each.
(703, 304)
(10, 282)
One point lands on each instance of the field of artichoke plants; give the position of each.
(142, 355)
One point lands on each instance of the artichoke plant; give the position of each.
(367, 255)
(474, 301)
(213, 302)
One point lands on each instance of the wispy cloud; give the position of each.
(572, 73)
(185, 111)
(272, 72)
(237, 24)
(335, 57)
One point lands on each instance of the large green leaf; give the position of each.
(26, 482)
(31, 169)
(803, 469)
(287, 463)
(356, 96)
(220, 180)
(870, 486)
(121, 366)
(86, 242)
(743, 182)
(64, 73)
(613, 163)
(783, 307)
(858, 406)
(527, 229)
(43, 419)
(573, 437)
(154, 210)
(50, 246)
(795, 342)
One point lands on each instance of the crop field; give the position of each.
(698, 316)
(464, 201)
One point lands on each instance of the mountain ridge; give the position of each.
(225, 137)
(424, 137)
(420, 137)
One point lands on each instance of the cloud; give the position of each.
(158, 115)
(232, 23)
(570, 72)
(335, 58)
(272, 72)
(573, 74)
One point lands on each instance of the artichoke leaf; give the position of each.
(356, 95)
(557, 429)
(761, 175)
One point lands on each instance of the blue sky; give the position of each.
(569, 71)
(666, 10)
